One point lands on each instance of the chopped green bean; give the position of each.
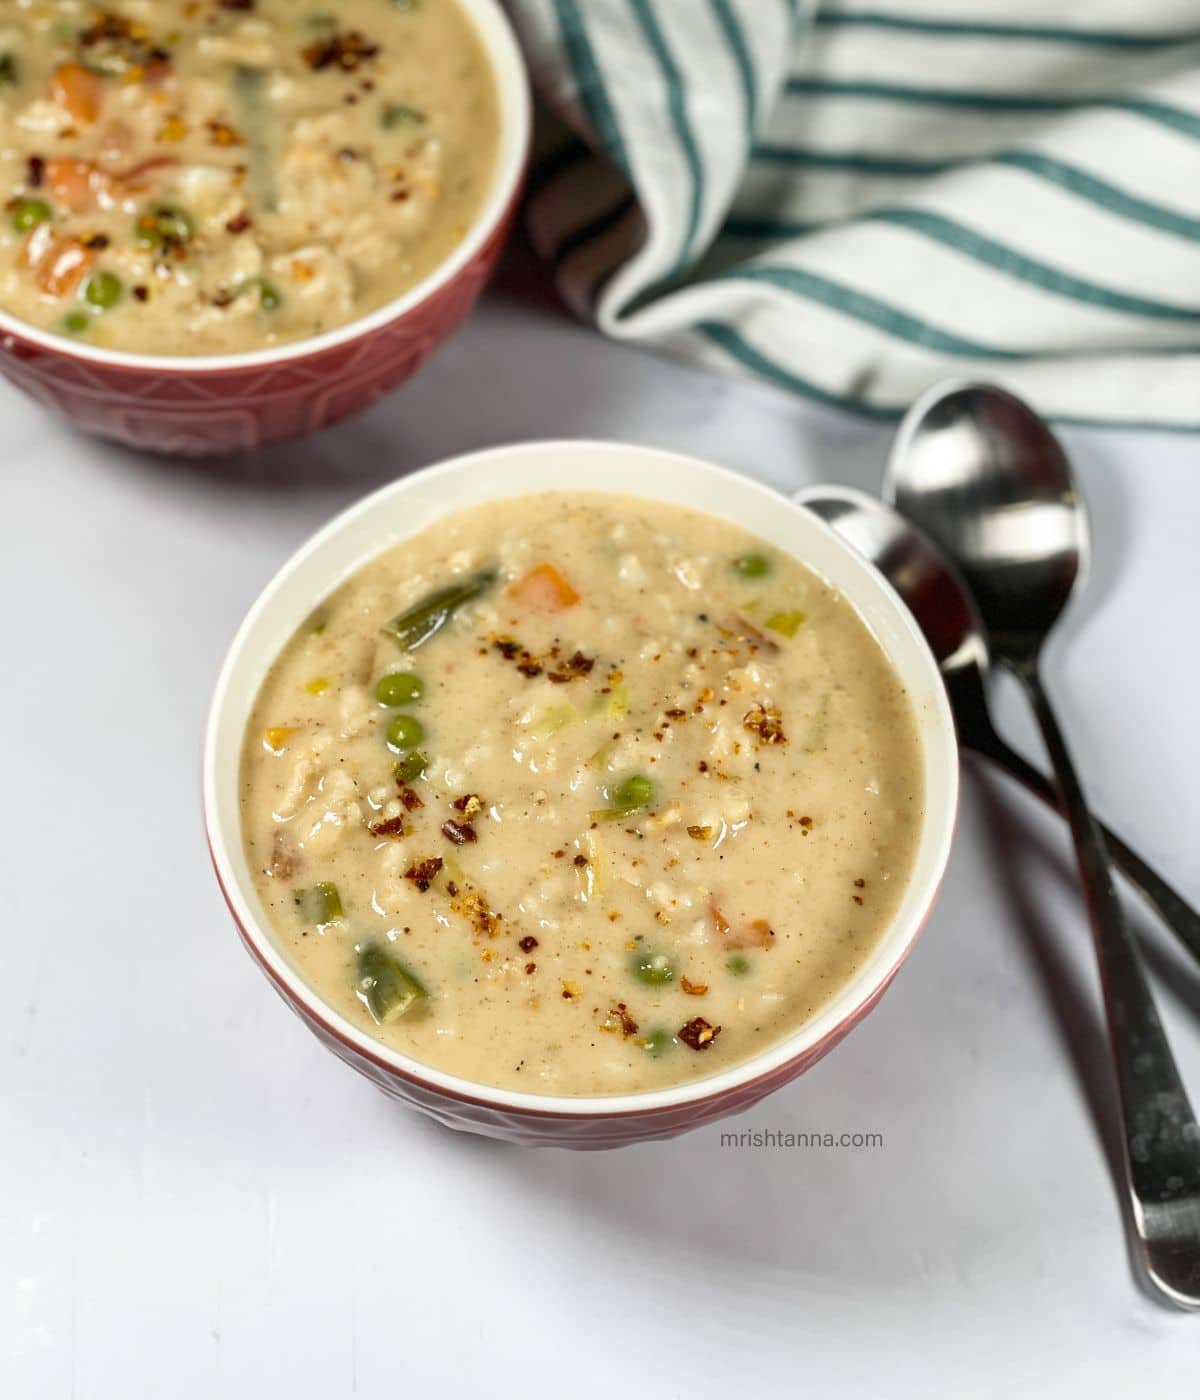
(321, 904)
(658, 1042)
(103, 290)
(655, 969)
(386, 988)
(250, 93)
(752, 565)
(399, 114)
(787, 623)
(738, 965)
(399, 688)
(630, 795)
(414, 627)
(404, 733)
(164, 226)
(28, 213)
(411, 767)
(76, 322)
(270, 298)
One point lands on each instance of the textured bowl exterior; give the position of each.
(220, 411)
(530, 1128)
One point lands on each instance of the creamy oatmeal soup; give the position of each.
(211, 176)
(581, 794)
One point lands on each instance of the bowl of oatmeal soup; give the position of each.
(579, 814)
(230, 224)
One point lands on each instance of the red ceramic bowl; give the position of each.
(211, 404)
(408, 506)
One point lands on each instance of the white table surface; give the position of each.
(196, 1200)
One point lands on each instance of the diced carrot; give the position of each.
(78, 184)
(544, 590)
(757, 933)
(58, 262)
(78, 92)
(276, 737)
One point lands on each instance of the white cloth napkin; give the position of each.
(857, 201)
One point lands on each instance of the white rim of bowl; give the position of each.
(939, 753)
(512, 95)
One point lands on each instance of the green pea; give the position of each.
(404, 733)
(633, 792)
(657, 1043)
(655, 969)
(399, 688)
(411, 767)
(28, 213)
(752, 565)
(270, 298)
(76, 322)
(104, 290)
(738, 965)
(164, 226)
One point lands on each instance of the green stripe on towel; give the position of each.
(643, 11)
(593, 95)
(996, 29)
(727, 22)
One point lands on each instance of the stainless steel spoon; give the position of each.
(984, 476)
(945, 611)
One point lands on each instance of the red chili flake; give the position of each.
(35, 171)
(423, 872)
(96, 240)
(459, 832)
(676, 713)
(411, 800)
(857, 898)
(345, 51)
(528, 943)
(806, 822)
(766, 722)
(239, 223)
(141, 293)
(394, 826)
(530, 669)
(242, 5)
(697, 1034)
(581, 860)
(693, 989)
(531, 967)
(470, 804)
(860, 884)
(620, 1015)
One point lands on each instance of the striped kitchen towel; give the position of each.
(857, 200)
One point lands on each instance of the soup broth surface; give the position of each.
(213, 176)
(581, 794)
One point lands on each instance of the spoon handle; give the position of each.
(1163, 898)
(1162, 1139)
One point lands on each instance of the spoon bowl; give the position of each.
(989, 482)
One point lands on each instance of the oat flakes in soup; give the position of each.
(581, 794)
(216, 176)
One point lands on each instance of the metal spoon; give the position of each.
(945, 611)
(985, 477)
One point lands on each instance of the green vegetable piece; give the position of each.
(411, 767)
(321, 904)
(788, 623)
(657, 1043)
(270, 298)
(752, 565)
(404, 732)
(386, 988)
(76, 322)
(104, 290)
(28, 213)
(164, 226)
(414, 627)
(635, 791)
(399, 114)
(399, 688)
(9, 72)
(655, 969)
(322, 19)
(738, 965)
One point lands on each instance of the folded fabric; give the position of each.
(857, 201)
